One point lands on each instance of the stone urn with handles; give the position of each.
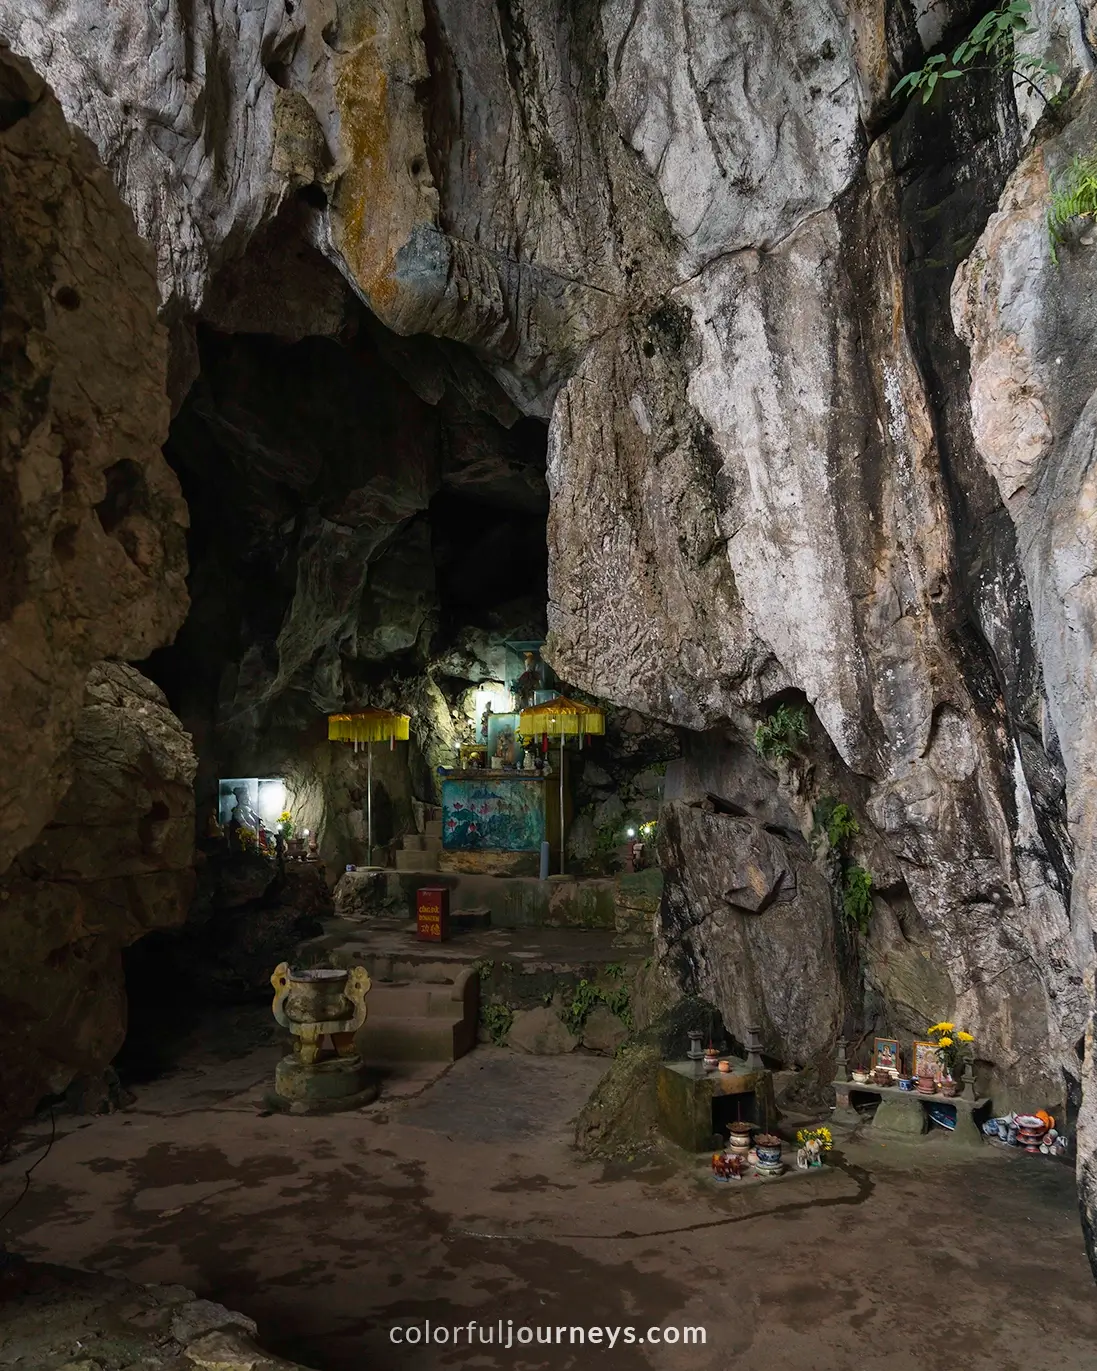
(323, 1008)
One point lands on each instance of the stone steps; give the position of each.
(418, 1021)
(412, 859)
(420, 842)
(421, 851)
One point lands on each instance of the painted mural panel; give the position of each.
(493, 814)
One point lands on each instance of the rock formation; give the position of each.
(115, 861)
(92, 519)
(97, 799)
(50, 1312)
(1032, 332)
(820, 433)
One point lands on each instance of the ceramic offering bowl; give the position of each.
(1029, 1123)
(861, 1077)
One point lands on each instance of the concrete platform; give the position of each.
(626, 903)
(386, 947)
(522, 968)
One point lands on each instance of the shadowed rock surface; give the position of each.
(91, 519)
(115, 862)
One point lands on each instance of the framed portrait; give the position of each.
(885, 1054)
(925, 1062)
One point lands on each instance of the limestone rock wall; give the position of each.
(115, 861)
(1033, 339)
(91, 519)
(96, 818)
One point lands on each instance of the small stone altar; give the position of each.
(694, 1104)
(907, 1113)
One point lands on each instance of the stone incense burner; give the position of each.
(323, 1007)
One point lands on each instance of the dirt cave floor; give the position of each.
(458, 1196)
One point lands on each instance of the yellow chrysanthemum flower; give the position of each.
(941, 1028)
(965, 1037)
(945, 1042)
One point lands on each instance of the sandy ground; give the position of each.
(458, 1197)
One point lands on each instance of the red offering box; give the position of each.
(432, 914)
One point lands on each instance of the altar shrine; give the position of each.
(510, 791)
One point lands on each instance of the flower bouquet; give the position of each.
(951, 1050)
(815, 1142)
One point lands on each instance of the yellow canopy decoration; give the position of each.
(368, 726)
(561, 718)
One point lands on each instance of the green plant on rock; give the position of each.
(782, 732)
(836, 821)
(497, 1019)
(1073, 196)
(857, 897)
(587, 995)
(583, 999)
(991, 45)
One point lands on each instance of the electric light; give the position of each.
(272, 799)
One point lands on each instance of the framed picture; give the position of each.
(925, 1062)
(885, 1054)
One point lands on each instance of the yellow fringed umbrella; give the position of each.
(369, 726)
(562, 718)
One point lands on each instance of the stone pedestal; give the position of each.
(684, 1096)
(903, 1113)
(900, 1118)
(324, 1087)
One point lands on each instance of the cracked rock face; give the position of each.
(783, 464)
(91, 518)
(115, 861)
(1033, 339)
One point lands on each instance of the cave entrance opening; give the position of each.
(368, 528)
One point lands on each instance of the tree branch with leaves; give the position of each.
(990, 46)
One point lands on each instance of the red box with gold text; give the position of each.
(432, 914)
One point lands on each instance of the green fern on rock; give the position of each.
(782, 732)
(1073, 196)
(857, 897)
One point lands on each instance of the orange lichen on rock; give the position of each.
(384, 189)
